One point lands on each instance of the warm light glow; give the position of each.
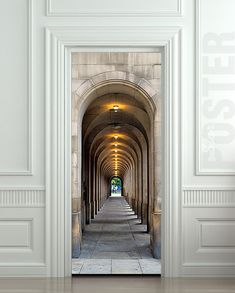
(115, 156)
(115, 151)
(116, 136)
(115, 145)
(115, 108)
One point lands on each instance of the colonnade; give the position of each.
(116, 142)
(118, 139)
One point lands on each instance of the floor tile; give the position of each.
(116, 236)
(126, 267)
(92, 266)
(150, 266)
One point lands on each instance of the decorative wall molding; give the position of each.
(215, 131)
(18, 236)
(209, 197)
(29, 170)
(208, 241)
(216, 234)
(79, 12)
(192, 269)
(22, 198)
(59, 41)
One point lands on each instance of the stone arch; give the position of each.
(141, 89)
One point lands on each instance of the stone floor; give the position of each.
(116, 243)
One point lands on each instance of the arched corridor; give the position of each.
(116, 169)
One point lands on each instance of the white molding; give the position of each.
(205, 270)
(58, 41)
(26, 269)
(17, 264)
(199, 187)
(210, 197)
(199, 171)
(18, 248)
(110, 13)
(29, 170)
(192, 264)
(22, 197)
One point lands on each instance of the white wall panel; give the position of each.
(113, 8)
(208, 239)
(207, 212)
(15, 130)
(22, 236)
(216, 88)
(15, 233)
(218, 233)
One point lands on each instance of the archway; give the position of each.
(116, 186)
(118, 123)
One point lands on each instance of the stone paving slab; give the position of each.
(120, 266)
(116, 243)
(93, 266)
(116, 266)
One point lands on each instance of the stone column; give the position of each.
(76, 231)
(76, 197)
(156, 215)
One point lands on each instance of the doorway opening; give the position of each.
(116, 186)
(116, 163)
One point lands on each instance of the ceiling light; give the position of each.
(115, 108)
(116, 136)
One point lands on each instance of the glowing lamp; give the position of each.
(115, 108)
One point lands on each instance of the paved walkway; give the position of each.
(116, 243)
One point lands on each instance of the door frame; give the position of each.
(60, 42)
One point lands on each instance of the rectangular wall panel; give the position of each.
(216, 234)
(15, 234)
(15, 110)
(216, 87)
(113, 8)
(22, 241)
(208, 237)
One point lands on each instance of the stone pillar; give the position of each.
(76, 231)
(92, 209)
(156, 215)
(139, 209)
(144, 213)
(133, 205)
(96, 206)
(156, 234)
(88, 213)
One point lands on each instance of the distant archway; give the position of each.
(116, 186)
